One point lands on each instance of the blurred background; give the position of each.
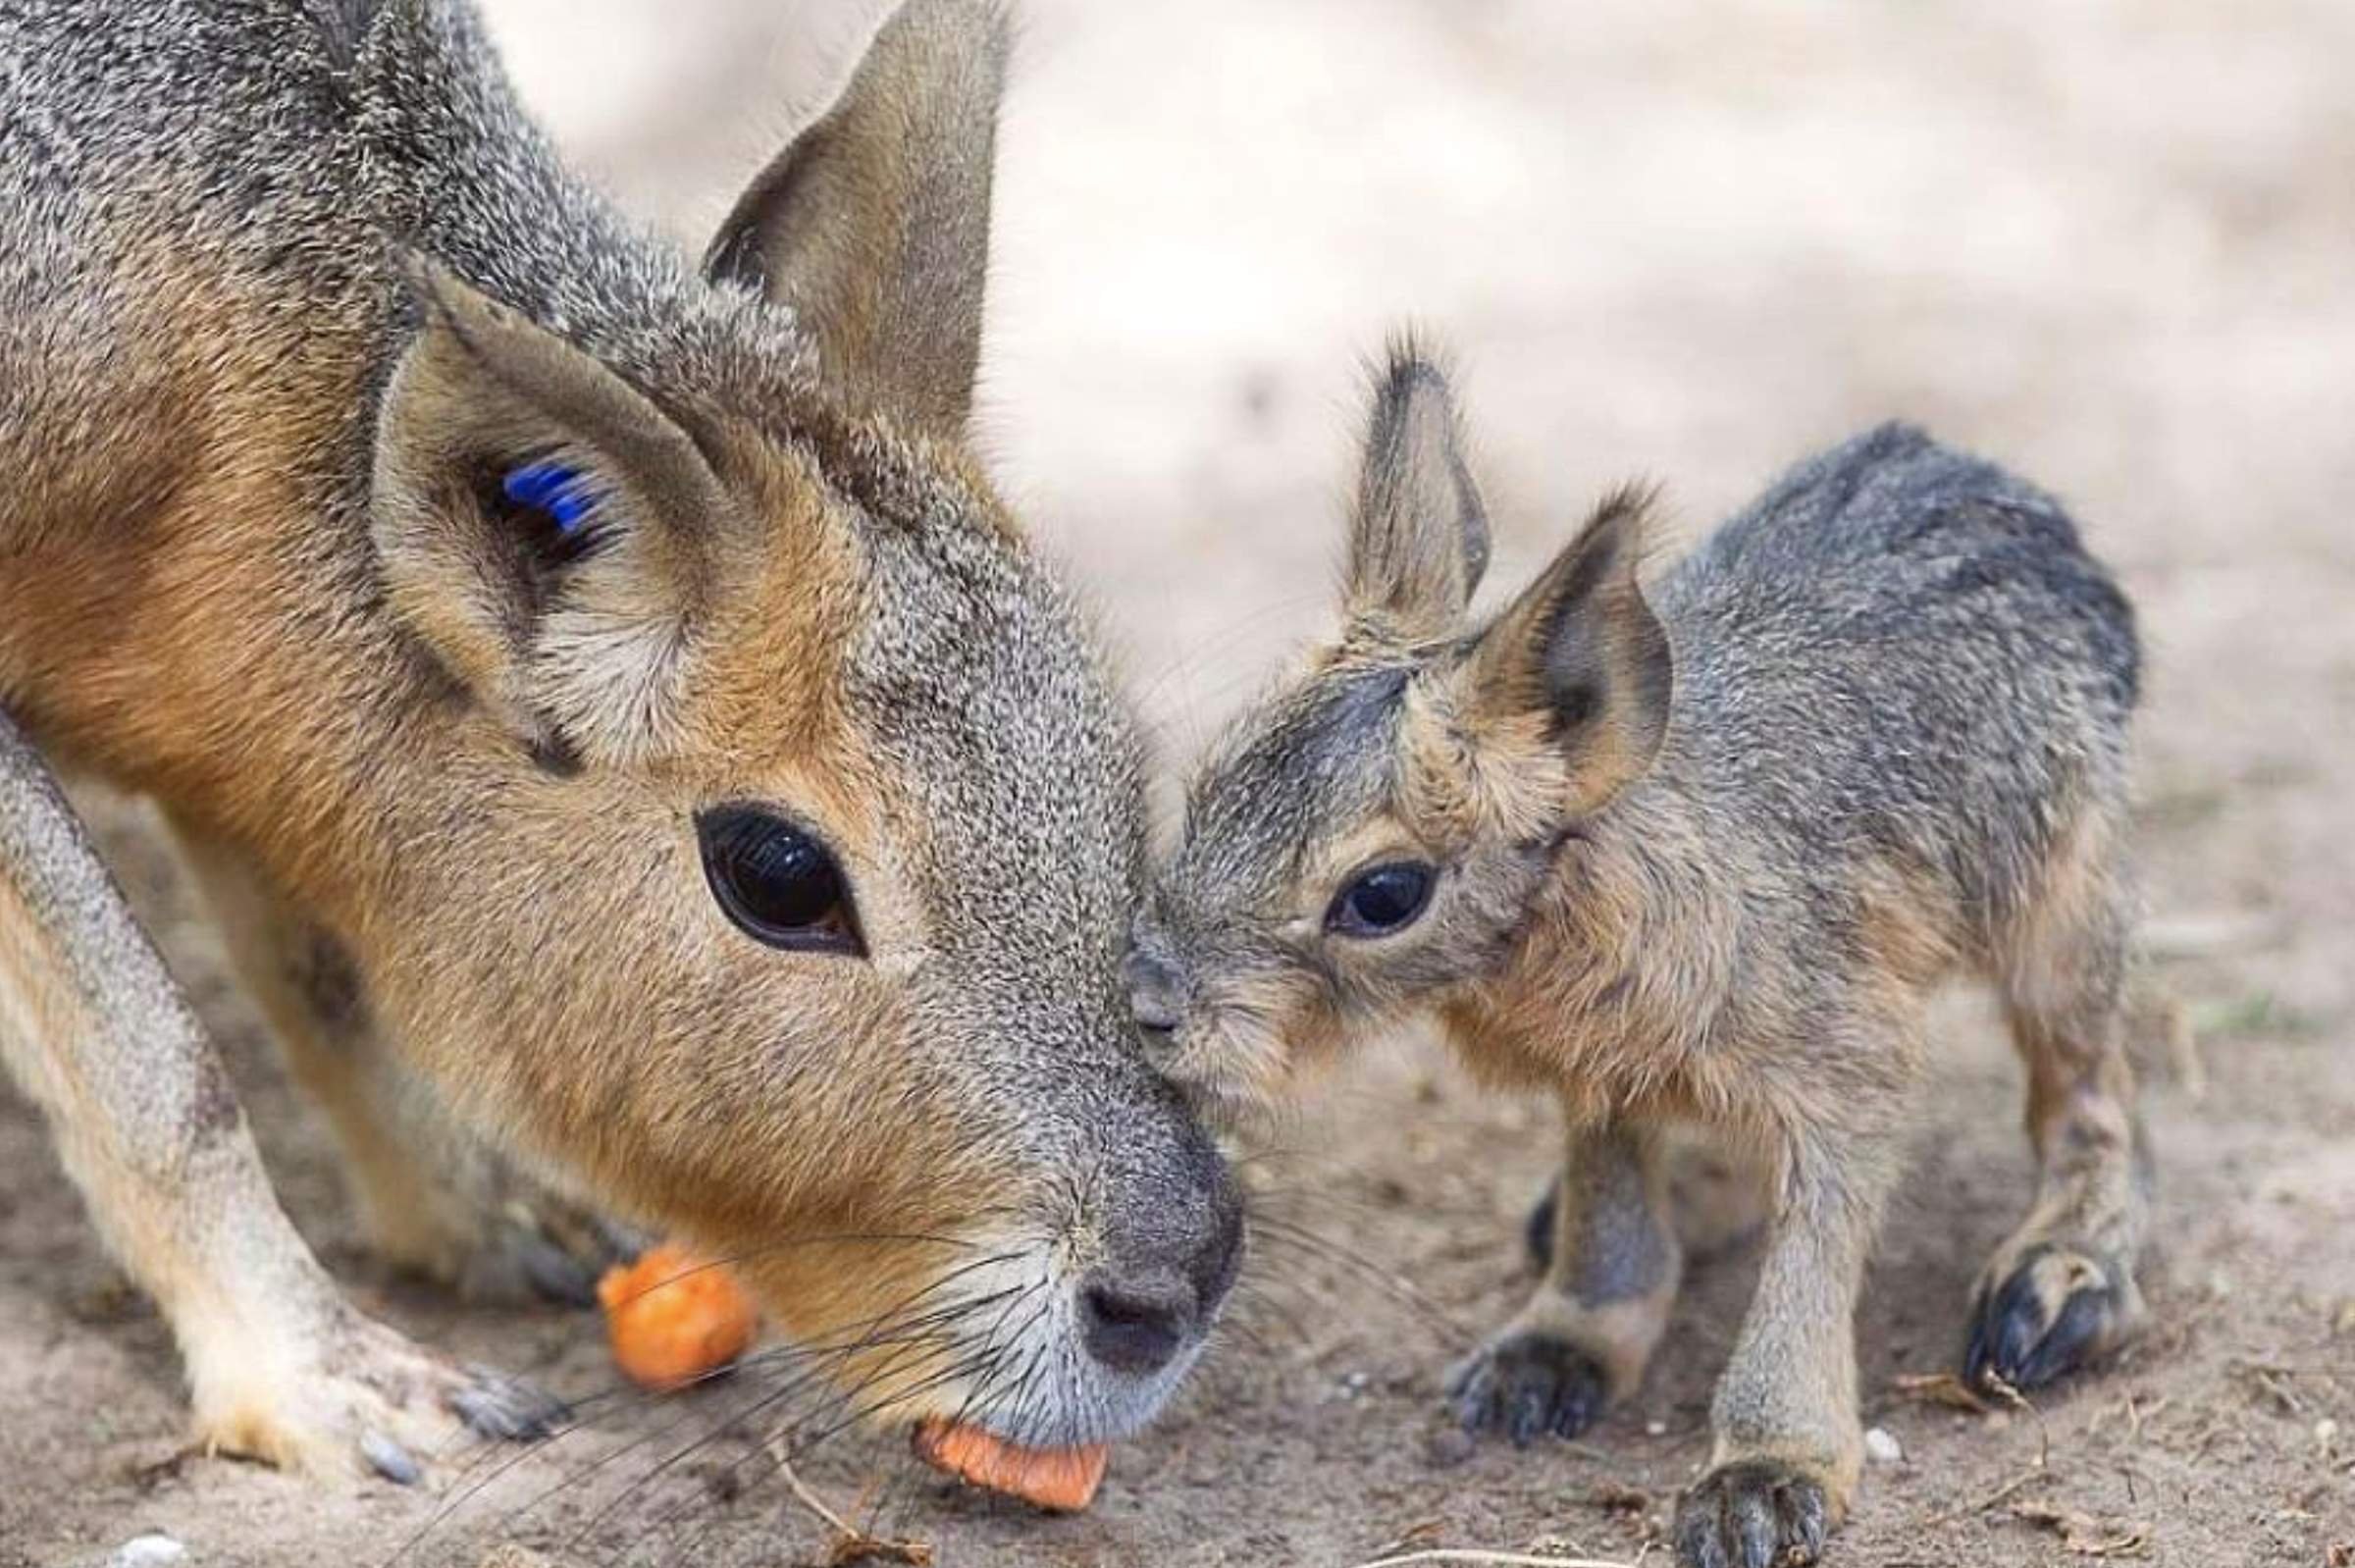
(2106, 243)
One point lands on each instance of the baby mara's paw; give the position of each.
(1753, 1514)
(1526, 1383)
(2046, 1311)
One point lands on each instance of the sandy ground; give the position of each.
(2107, 244)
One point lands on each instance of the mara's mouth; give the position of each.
(1006, 1343)
(1041, 1369)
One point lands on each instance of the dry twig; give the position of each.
(847, 1542)
(1982, 1505)
(1941, 1388)
(2083, 1536)
(1995, 1384)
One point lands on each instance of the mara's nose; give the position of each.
(1137, 1320)
(1136, 1326)
(1153, 999)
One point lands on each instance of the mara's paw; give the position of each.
(1526, 1383)
(1753, 1514)
(549, 1251)
(2046, 1311)
(360, 1400)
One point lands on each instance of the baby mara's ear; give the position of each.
(874, 225)
(1581, 654)
(1418, 538)
(541, 526)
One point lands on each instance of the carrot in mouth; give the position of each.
(1058, 1480)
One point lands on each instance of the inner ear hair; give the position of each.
(1581, 649)
(567, 616)
(1418, 533)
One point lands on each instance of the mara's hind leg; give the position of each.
(434, 1197)
(1612, 1264)
(2060, 1292)
(1717, 1199)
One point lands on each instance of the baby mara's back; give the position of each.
(1900, 653)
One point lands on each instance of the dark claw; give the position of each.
(1527, 1385)
(2069, 1344)
(557, 1258)
(388, 1459)
(503, 1408)
(1537, 1233)
(555, 1273)
(1751, 1514)
(1754, 1527)
(2019, 1337)
(624, 1241)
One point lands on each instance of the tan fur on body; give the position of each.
(1696, 856)
(448, 771)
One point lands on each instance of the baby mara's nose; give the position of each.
(1153, 996)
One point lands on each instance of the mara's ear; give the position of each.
(541, 526)
(1580, 650)
(1418, 537)
(873, 226)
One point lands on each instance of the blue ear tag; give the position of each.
(556, 489)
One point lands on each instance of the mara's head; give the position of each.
(1370, 834)
(772, 829)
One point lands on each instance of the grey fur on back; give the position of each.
(314, 143)
(1901, 650)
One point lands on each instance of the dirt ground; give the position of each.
(2107, 244)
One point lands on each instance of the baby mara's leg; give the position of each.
(1612, 1266)
(433, 1196)
(280, 1367)
(2059, 1294)
(1788, 1445)
(1717, 1199)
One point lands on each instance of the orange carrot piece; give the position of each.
(1058, 1480)
(673, 1317)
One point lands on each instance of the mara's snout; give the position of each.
(1060, 1307)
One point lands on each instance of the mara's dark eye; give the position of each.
(777, 881)
(1386, 899)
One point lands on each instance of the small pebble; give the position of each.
(2326, 1433)
(1655, 1428)
(147, 1551)
(1882, 1448)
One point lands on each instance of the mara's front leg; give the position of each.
(433, 1196)
(1612, 1265)
(1787, 1441)
(280, 1366)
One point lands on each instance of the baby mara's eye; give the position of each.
(1385, 899)
(777, 882)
